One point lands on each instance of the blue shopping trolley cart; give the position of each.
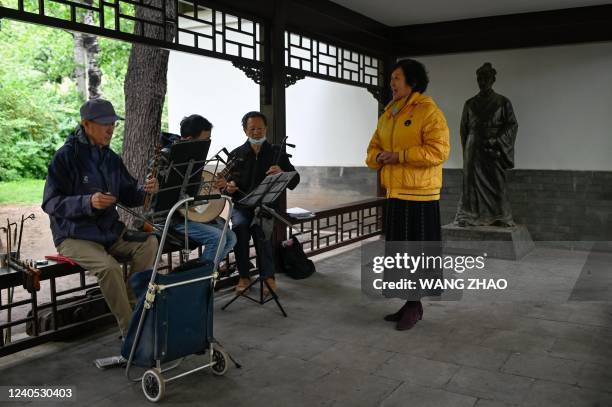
(174, 318)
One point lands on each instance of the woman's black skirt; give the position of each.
(413, 222)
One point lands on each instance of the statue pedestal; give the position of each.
(503, 243)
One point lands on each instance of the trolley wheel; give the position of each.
(221, 361)
(153, 385)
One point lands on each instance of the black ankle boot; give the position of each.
(396, 316)
(410, 316)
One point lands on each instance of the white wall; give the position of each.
(213, 89)
(330, 123)
(562, 97)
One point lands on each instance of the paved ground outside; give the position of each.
(334, 349)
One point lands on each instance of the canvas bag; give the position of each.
(294, 261)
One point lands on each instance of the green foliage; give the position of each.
(39, 101)
(28, 191)
(36, 100)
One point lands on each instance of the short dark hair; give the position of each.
(192, 126)
(251, 115)
(415, 74)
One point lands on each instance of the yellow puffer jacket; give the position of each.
(419, 133)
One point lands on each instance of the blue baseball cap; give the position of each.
(100, 111)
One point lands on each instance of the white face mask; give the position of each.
(256, 141)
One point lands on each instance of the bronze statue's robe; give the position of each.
(488, 131)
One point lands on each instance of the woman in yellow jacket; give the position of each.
(408, 147)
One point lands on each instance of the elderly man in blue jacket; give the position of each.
(84, 182)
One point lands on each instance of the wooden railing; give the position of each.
(327, 230)
(340, 226)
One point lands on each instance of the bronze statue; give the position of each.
(488, 130)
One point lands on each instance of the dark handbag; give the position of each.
(294, 261)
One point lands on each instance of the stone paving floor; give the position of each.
(334, 349)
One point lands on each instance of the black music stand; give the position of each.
(183, 175)
(180, 178)
(265, 193)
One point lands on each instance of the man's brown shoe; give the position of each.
(243, 283)
(272, 283)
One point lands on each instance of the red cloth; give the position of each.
(59, 257)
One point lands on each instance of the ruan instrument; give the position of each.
(209, 211)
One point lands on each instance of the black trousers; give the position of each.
(242, 226)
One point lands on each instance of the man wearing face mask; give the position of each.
(256, 159)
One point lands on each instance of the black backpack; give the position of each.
(294, 261)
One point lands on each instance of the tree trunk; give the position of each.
(86, 50)
(80, 76)
(94, 73)
(145, 90)
(90, 43)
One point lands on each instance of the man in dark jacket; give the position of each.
(256, 159)
(84, 182)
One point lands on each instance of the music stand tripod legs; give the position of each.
(259, 240)
(266, 192)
